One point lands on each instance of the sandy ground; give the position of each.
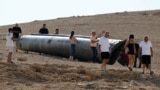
(48, 72)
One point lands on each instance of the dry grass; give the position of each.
(21, 58)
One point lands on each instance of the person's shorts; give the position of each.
(10, 49)
(146, 59)
(105, 55)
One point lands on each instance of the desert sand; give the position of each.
(33, 71)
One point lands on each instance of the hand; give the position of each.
(103, 31)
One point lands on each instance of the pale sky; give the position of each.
(20, 11)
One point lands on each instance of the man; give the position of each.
(146, 52)
(57, 31)
(104, 49)
(16, 33)
(43, 30)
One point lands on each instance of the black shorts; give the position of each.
(146, 59)
(105, 55)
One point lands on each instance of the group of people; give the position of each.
(145, 47)
(145, 52)
(45, 30)
(103, 43)
(13, 35)
(132, 49)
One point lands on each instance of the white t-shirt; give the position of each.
(146, 47)
(104, 44)
(9, 41)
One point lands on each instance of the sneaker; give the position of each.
(11, 62)
(151, 73)
(130, 68)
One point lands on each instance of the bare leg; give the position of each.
(9, 57)
(131, 61)
(104, 64)
(149, 67)
(144, 65)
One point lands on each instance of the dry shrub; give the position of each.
(22, 58)
(26, 74)
(157, 14)
(86, 78)
(28, 84)
(70, 77)
(50, 69)
(144, 13)
(93, 74)
(37, 68)
(47, 86)
(40, 76)
(81, 71)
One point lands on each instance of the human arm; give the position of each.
(99, 45)
(126, 43)
(20, 31)
(139, 51)
(40, 31)
(99, 35)
(99, 48)
(151, 51)
(47, 31)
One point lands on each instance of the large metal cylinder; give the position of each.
(59, 45)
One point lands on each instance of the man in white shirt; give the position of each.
(9, 44)
(104, 49)
(146, 52)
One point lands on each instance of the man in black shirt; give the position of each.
(43, 30)
(56, 31)
(16, 31)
